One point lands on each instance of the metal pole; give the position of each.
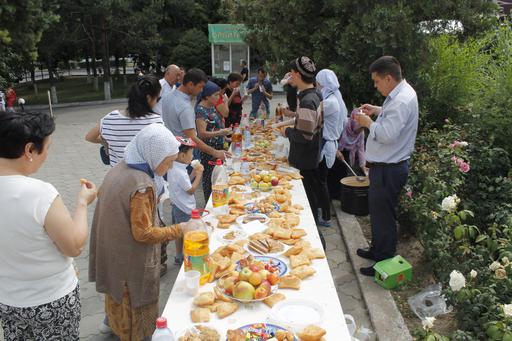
(213, 60)
(248, 62)
(50, 103)
(230, 60)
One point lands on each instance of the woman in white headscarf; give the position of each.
(335, 116)
(124, 256)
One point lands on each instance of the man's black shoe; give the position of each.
(369, 271)
(366, 254)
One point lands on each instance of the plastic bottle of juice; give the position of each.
(220, 188)
(236, 140)
(196, 246)
(162, 333)
(279, 113)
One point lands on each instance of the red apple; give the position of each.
(275, 182)
(254, 267)
(273, 278)
(261, 292)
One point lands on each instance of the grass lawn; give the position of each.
(71, 89)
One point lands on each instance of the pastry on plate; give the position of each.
(312, 333)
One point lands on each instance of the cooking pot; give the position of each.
(354, 195)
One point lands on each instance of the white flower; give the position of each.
(494, 266)
(507, 309)
(473, 273)
(450, 203)
(505, 261)
(428, 322)
(463, 143)
(457, 280)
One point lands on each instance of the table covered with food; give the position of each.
(267, 274)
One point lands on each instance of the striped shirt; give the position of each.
(118, 130)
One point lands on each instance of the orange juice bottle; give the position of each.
(220, 188)
(196, 246)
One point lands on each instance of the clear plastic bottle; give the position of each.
(196, 246)
(220, 188)
(247, 138)
(162, 333)
(244, 122)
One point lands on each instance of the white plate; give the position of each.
(240, 220)
(275, 254)
(297, 313)
(239, 235)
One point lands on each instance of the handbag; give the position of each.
(104, 156)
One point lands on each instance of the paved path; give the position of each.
(72, 158)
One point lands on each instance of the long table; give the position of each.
(319, 288)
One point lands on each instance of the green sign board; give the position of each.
(226, 33)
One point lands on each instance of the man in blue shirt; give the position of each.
(389, 146)
(260, 89)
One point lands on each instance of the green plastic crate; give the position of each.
(392, 272)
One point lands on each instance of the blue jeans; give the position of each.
(256, 106)
(178, 216)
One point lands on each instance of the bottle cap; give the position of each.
(219, 162)
(195, 214)
(245, 158)
(161, 323)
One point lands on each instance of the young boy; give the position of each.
(182, 187)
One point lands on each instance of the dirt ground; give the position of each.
(411, 249)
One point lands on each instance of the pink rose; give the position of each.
(454, 158)
(464, 167)
(409, 194)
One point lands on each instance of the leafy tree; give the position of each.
(21, 25)
(347, 35)
(193, 50)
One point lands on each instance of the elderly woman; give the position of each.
(39, 293)
(124, 256)
(335, 116)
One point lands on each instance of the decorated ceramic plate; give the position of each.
(195, 331)
(247, 218)
(249, 207)
(221, 283)
(270, 261)
(261, 331)
(231, 235)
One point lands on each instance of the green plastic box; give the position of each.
(392, 272)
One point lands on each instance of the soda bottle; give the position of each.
(279, 113)
(196, 246)
(162, 333)
(236, 140)
(220, 188)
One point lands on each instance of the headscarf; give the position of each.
(209, 89)
(148, 149)
(333, 124)
(352, 140)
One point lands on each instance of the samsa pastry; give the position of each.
(200, 315)
(312, 333)
(225, 309)
(303, 271)
(204, 299)
(289, 282)
(274, 299)
(298, 260)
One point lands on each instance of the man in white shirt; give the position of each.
(168, 84)
(389, 146)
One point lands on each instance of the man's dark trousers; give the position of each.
(386, 183)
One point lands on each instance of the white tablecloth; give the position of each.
(319, 288)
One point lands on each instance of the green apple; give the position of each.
(243, 290)
(245, 274)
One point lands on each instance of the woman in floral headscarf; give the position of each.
(124, 256)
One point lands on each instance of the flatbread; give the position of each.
(312, 333)
(225, 309)
(274, 299)
(204, 299)
(200, 315)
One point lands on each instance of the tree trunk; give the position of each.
(116, 63)
(33, 78)
(53, 88)
(106, 62)
(93, 61)
(125, 79)
(88, 68)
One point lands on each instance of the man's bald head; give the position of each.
(171, 74)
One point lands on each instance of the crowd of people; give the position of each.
(150, 148)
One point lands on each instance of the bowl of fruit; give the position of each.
(252, 283)
(263, 180)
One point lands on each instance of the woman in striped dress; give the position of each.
(118, 128)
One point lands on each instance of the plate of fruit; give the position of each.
(258, 263)
(263, 180)
(252, 283)
(260, 332)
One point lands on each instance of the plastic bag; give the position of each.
(429, 302)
